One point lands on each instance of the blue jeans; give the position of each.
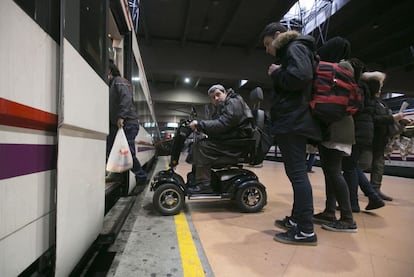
(310, 161)
(131, 131)
(354, 176)
(293, 149)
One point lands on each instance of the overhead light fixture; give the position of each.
(186, 80)
(243, 82)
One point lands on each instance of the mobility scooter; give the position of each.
(229, 182)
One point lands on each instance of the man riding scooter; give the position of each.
(231, 119)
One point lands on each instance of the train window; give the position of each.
(85, 28)
(46, 13)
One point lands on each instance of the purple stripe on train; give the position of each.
(22, 159)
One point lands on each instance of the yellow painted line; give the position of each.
(166, 164)
(189, 257)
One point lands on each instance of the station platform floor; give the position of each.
(212, 238)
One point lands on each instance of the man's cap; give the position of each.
(215, 87)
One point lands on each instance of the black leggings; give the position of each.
(335, 184)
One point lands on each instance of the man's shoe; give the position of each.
(354, 209)
(384, 196)
(294, 236)
(140, 188)
(113, 177)
(199, 189)
(141, 181)
(323, 217)
(375, 202)
(340, 226)
(286, 223)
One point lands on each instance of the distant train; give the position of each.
(54, 123)
(400, 162)
(396, 163)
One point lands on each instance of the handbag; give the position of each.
(120, 157)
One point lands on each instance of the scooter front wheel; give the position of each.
(168, 199)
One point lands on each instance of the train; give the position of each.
(54, 123)
(399, 159)
(400, 155)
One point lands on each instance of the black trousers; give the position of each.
(207, 153)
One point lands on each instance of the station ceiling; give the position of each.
(217, 41)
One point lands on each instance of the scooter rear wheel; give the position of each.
(168, 199)
(251, 198)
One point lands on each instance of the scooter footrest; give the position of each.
(204, 196)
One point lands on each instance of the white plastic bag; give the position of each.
(120, 158)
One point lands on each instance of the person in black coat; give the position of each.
(383, 118)
(364, 134)
(231, 119)
(292, 123)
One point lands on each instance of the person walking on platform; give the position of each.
(383, 118)
(123, 114)
(292, 123)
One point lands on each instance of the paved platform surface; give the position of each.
(229, 243)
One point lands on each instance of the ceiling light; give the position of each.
(186, 80)
(243, 82)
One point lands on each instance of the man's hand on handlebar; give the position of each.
(193, 125)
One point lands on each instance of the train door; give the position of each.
(82, 130)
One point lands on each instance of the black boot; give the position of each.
(383, 196)
(199, 188)
(375, 202)
(202, 180)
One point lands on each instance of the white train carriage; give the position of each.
(54, 123)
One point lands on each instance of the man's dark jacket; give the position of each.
(290, 111)
(121, 102)
(232, 119)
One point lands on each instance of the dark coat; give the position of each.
(364, 122)
(290, 111)
(382, 119)
(232, 119)
(121, 101)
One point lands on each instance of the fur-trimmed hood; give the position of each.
(374, 80)
(374, 76)
(285, 38)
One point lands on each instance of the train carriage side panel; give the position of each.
(27, 183)
(81, 160)
(29, 60)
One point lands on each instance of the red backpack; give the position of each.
(335, 93)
